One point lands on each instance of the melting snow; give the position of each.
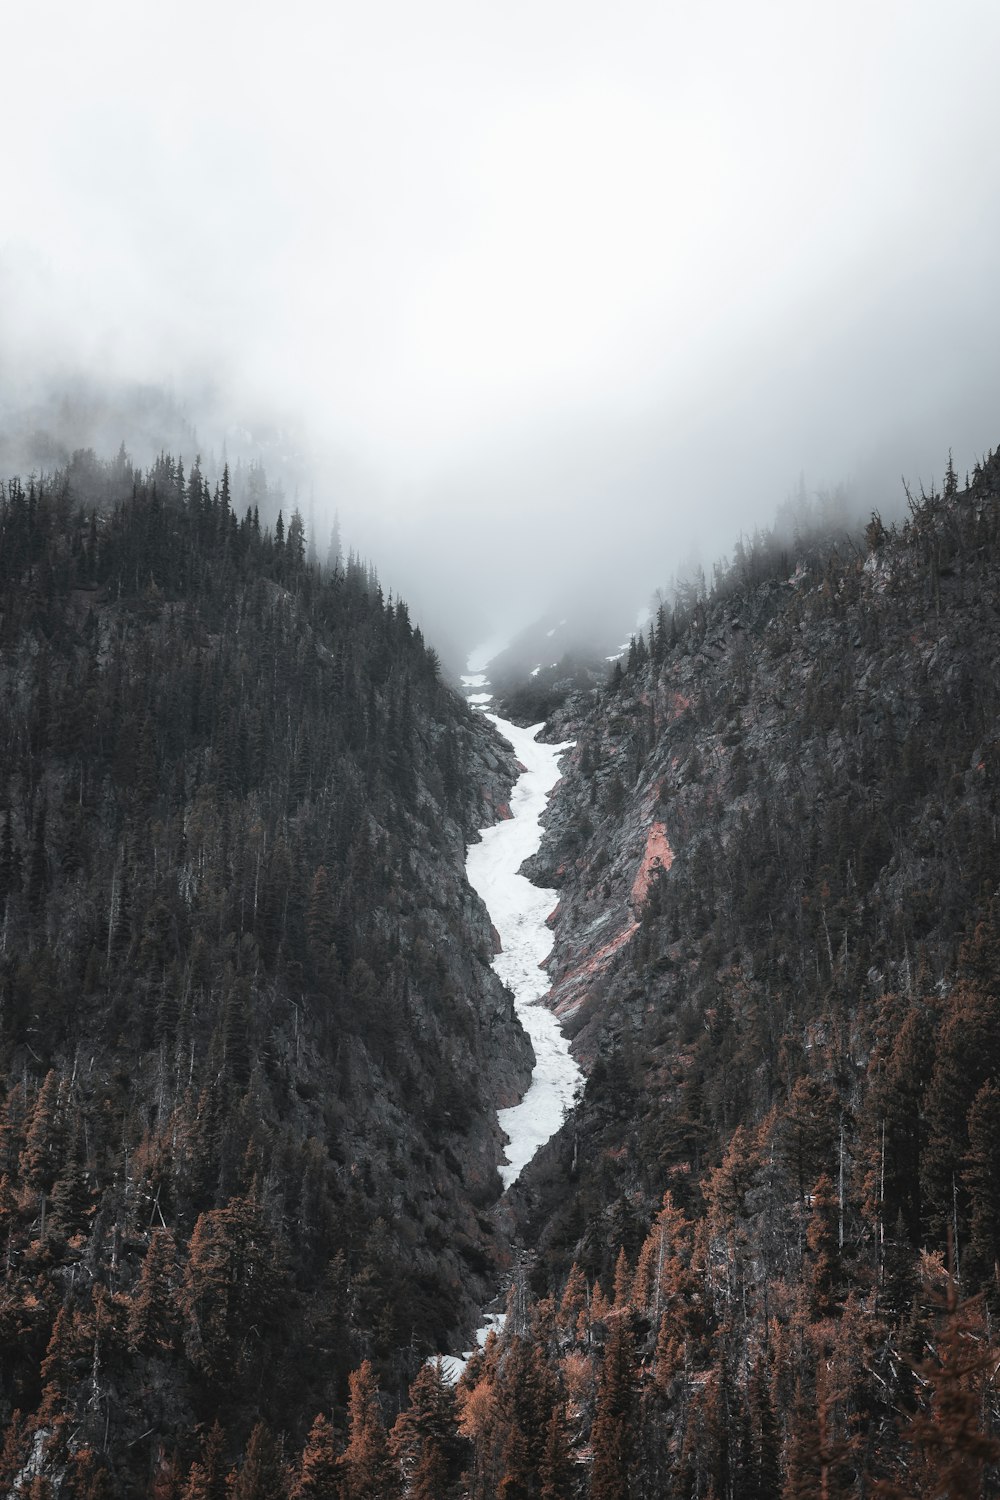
(518, 911)
(483, 654)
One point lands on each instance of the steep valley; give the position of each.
(253, 1038)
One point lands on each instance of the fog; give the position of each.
(545, 300)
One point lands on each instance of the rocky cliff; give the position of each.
(783, 810)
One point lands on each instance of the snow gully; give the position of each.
(518, 911)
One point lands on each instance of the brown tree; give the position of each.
(318, 1477)
(611, 1435)
(207, 1477)
(153, 1320)
(370, 1472)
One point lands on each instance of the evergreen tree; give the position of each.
(319, 1472)
(982, 1181)
(425, 1439)
(152, 1319)
(261, 1475)
(44, 1146)
(555, 1474)
(369, 1471)
(207, 1477)
(611, 1435)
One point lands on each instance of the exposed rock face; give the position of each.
(657, 855)
(780, 813)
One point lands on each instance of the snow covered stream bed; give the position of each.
(518, 911)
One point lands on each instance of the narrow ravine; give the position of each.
(519, 912)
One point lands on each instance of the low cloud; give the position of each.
(546, 298)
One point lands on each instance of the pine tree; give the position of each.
(207, 1477)
(611, 1434)
(42, 1156)
(87, 1477)
(764, 1477)
(319, 1472)
(66, 1360)
(72, 1198)
(516, 1471)
(14, 1123)
(573, 1301)
(38, 867)
(623, 1281)
(152, 1319)
(231, 1289)
(555, 1473)
(319, 927)
(16, 1446)
(982, 1180)
(261, 1475)
(295, 544)
(425, 1438)
(369, 1470)
(948, 1452)
(661, 1272)
(968, 1053)
(802, 1466)
(824, 1269)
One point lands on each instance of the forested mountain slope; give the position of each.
(250, 1043)
(778, 946)
(252, 1046)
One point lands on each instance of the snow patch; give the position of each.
(453, 1365)
(480, 656)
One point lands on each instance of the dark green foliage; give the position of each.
(246, 1032)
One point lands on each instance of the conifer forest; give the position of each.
(252, 1046)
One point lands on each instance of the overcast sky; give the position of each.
(611, 275)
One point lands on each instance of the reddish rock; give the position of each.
(495, 936)
(571, 988)
(657, 852)
(503, 812)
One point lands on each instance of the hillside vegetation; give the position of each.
(778, 947)
(250, 1044)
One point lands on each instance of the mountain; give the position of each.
(777, 948)
(251, 1046)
